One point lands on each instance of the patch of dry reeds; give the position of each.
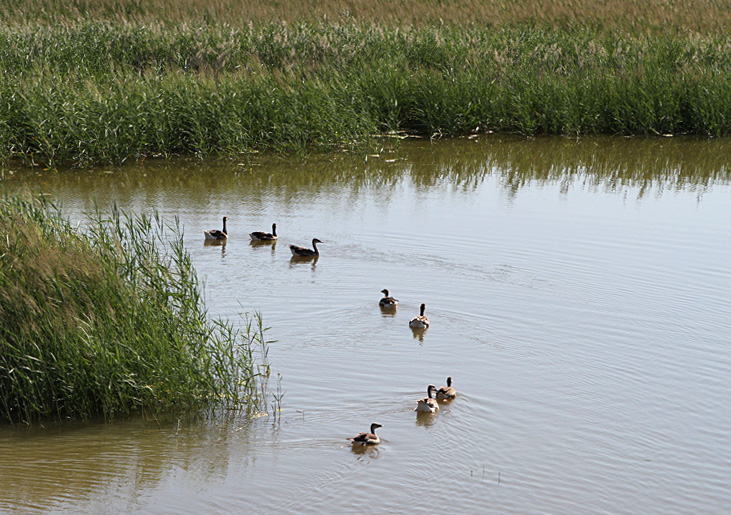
(622, 15)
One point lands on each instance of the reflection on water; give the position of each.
(419, 333)
(425, 419)
(611, 164)
(303, 260)
(371, 452)
(583, 309)
(96, 465)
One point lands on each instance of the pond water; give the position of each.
(578, 292)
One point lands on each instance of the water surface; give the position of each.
(578, 293)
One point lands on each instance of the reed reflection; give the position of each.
(609, 163)
(104, 455)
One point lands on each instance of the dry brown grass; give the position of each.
(705, 16)
(58, 273)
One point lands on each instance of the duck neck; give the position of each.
(274, 229)
(314, 246)
(224, 227)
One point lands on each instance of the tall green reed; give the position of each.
(110, 321)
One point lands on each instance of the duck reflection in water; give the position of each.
(419, 333)
(216, 243)
(264, 243)
(297, 261)
(425, 418)
(366, 452)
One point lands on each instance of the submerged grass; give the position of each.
(110, 321)
(118, 82)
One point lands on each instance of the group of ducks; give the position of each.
(420, 322)
(388, 303)
(261, 236)
(426, 404)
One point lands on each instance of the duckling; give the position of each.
(215, 234)
(264, 236)
(298, 251)
(446, 393)
(420, 322)
(386, 301)
(427, 404)
(367, 438)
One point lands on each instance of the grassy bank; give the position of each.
(125, 83)
(110, 322)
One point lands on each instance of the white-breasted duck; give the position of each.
(215, 234)
(386, 301)
(264, 236)
(427, 404)
(420, 321)
(367, 438)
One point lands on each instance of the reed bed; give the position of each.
(116, 85)
(619, 15)
(110, 321)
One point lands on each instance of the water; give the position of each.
(579, 297)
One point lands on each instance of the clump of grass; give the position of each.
(110, 321)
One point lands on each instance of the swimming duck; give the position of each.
(386, 301)
(446, 393)
(427, 404)
(215, 234)
(264, 236)
(298, 251)
(420, 322)
(367, 438)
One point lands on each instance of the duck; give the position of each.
(298, 251)
(264, 236)
(367, 438)
(446, 393)
(215, 234)
(427, 404)
(386, 301)
(419, 322)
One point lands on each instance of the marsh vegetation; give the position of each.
(105, 82)
(109, 321)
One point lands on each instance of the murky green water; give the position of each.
(578, 293)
